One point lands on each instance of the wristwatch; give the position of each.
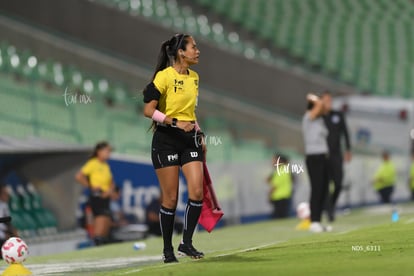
(174, 122)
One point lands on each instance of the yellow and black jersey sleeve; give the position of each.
(161, 81)
(151, 93)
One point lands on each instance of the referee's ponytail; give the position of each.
(163, 59)
(168, 52)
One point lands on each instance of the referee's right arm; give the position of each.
(82, 179)
(150, 108)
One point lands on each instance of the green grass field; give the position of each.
(364, 242)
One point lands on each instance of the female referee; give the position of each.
(170, 101)
(96, 175)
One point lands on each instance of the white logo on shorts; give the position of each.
(172, 157)
(194, 154)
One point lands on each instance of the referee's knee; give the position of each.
(169, 202)
(197, 194)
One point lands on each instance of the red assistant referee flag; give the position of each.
(211, 212)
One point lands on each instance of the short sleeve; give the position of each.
(151, 93)
(87, 168)
(160, 81)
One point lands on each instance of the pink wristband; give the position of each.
(158, 116)
(197, 127)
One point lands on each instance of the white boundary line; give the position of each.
(249, 249)
(47, 269)
(409, 221)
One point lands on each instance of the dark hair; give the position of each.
(282, 158)
(169, 50)
(98, 147)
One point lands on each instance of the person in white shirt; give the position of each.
(317, 152)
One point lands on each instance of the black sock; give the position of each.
(167, 217)
(192, 213)
(99, 240)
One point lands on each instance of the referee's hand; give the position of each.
(186, 126)
(106, 194)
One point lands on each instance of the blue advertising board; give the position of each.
(139, 185)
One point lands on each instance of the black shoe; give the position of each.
(189, 250)
(169, 257)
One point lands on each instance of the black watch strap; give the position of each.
(174, 122)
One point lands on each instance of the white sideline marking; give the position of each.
(250, 249)
(45, 269)
(409, 221)
(347, 231)
(132, 271)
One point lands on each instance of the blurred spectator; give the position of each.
(411, 179)
(97, 176)
(384, 178)
(337, 128)
(153, 220)
(316, 150)
(280, 182)
(6, 229)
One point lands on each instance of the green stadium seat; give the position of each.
(22, 220)
(12, 128)
(41, 84)
(236, 12)
(45, 71)
(19, 105)
(220, 7)
(92, 123)
(44, 217)
(334, 36)
(54, 104)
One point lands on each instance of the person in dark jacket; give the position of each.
(337, 129)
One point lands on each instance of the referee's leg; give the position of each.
(193, 172)
(168, 179)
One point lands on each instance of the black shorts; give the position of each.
(175, 147)
(100, 206)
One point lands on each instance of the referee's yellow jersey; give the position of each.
(179, 93)
(99, 174)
